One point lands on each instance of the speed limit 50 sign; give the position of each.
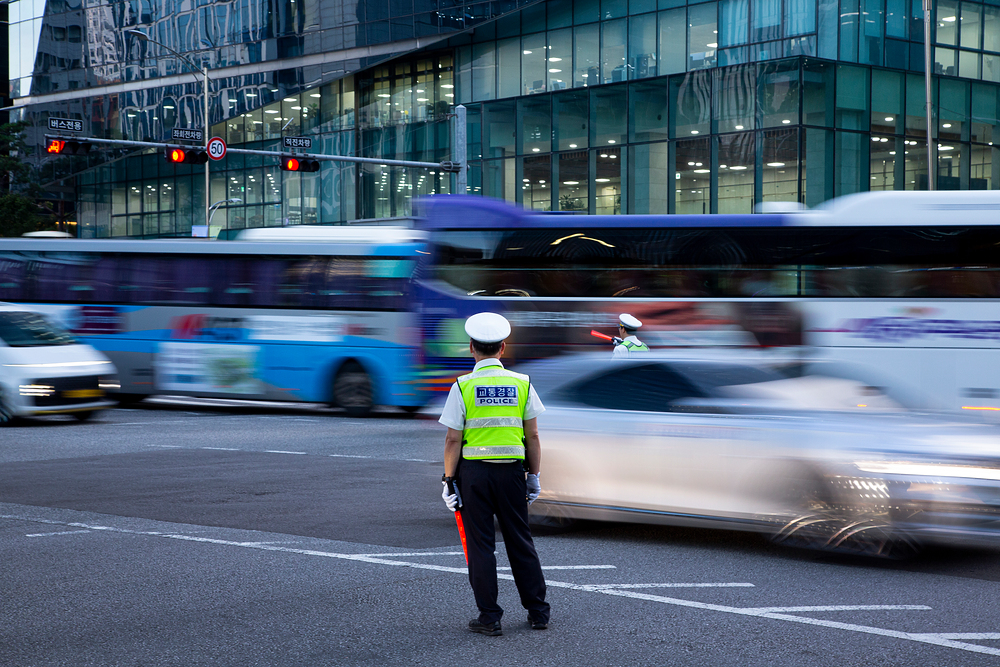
(216, 148)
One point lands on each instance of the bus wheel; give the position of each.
(352, 390)
(128, 399)
(85, 415)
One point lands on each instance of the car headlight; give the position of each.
(928, 469)
(41, 390)
(109, 382)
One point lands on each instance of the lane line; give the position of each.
(600, 587)
(962, 635)
(222, 449)
(417, 553)
(922, 638)
(349, 456)
(570, 567)
(279, 451)
(63, 532)
(842, 607)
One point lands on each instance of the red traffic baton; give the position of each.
(458, 518)
(461, 534)
(594, 332)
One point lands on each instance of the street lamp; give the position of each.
(215, 207)
(204, 88)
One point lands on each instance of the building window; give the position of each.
(692, 166)
(736, 160)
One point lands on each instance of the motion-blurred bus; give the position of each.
(312, 314)
(906, 284)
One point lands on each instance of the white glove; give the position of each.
(534, 487)
(450, 499)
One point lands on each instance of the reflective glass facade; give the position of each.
(600, 106)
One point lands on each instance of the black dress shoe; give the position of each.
(490, 629)
(537, 624)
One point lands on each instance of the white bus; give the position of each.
(902, 286)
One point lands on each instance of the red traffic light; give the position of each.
(295, 164)
(185, 156)
(67, 147)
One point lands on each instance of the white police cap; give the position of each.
(628, 321)
(487, 327)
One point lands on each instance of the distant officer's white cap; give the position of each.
(487, 327)
(628, 321)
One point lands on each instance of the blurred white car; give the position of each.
(44, 370)
(814, 461)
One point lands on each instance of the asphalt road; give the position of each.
(222, 533)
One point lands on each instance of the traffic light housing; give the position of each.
(67, 147)
(295, 164)
(186, 155)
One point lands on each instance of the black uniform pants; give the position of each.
(498, 489)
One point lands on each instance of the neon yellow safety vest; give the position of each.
(495, 400)
(633, 347)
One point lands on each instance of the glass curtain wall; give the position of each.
(603, 108)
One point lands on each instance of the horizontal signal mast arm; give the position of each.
(446, 165)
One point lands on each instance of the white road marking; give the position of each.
(598, 587)
(348, 456)
(571, 567)
(962, 635)
(279, 451)
(417, 553)
(841, 607)
(222, 449)
(172, 421)
(942, 640)
(64, 532)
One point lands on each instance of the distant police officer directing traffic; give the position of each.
(492, 440)
(628, 327)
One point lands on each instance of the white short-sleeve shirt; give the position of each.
(621, 351)
(453, 415)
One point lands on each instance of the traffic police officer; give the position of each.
(628, 326)
(491, 415)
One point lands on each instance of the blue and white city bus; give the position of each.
(318, 315)
(906, 284)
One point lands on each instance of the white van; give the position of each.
(44, 370)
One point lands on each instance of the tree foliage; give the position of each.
(20, 210)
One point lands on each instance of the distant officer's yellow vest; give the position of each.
(495, 399)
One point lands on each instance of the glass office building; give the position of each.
(600, 106)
